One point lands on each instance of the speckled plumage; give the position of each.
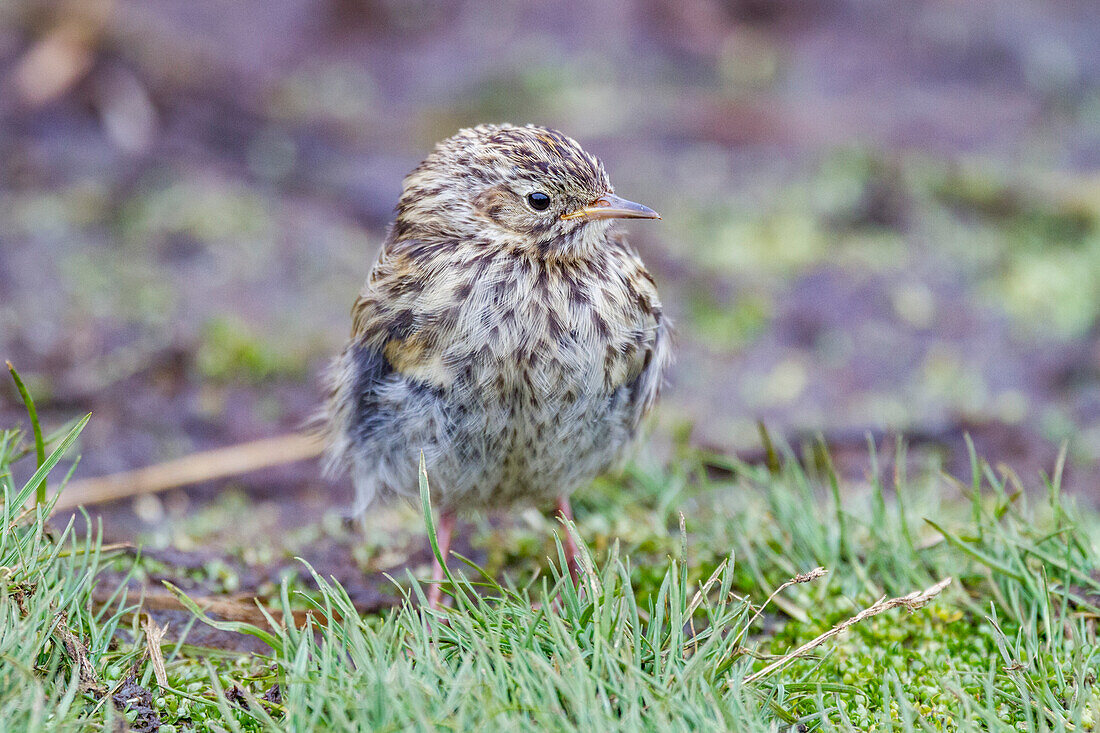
(517, 349)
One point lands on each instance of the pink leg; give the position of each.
(443, 533)
(566, 510)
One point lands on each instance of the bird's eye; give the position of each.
(538, 201)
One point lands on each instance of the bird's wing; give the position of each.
(396, 319)
(646, 385)
(651, 360)
(388, 355)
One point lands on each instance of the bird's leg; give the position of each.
(570, 546)
(443, 533)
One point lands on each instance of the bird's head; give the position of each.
(504, 184)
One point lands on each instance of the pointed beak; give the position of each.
(610, 206)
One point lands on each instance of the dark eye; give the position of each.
(538, 201)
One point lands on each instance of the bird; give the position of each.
(507, 333)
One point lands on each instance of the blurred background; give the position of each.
(879, 218)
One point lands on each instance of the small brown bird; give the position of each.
(506, 330)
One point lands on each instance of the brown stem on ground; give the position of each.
(192, 469)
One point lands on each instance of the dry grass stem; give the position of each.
(241, 608)
(701, 593)
(153, 636)
(77, 653)
(912, 601)
(800, 578)
(195, 468)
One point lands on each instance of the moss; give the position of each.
(231, 351)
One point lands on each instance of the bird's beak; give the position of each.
(610, 206)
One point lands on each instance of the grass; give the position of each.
(684, 618)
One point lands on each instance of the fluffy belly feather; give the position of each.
(518, 435)
(527, 390)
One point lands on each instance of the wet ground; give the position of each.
(878, 218)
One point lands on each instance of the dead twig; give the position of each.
(63, 54)
(913, 601)
(195, 468)
(240, 608)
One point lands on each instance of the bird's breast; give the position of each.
(546, 334)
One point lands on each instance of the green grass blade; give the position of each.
(36, 428)
(39, 478)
